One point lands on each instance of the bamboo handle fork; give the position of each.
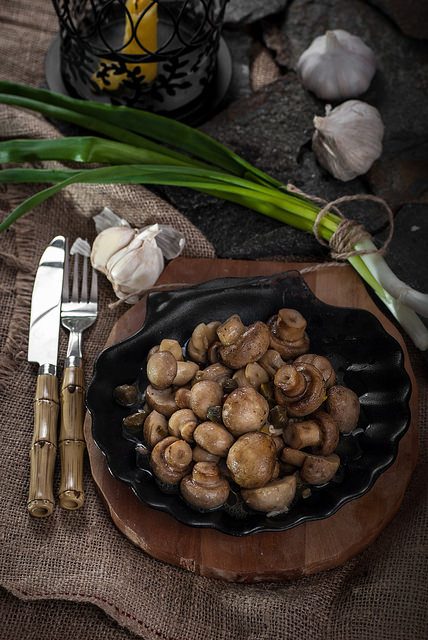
(78, 312)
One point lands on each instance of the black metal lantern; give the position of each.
(165, 56)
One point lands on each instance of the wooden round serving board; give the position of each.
(305, 549)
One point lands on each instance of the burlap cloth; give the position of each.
(62, 566)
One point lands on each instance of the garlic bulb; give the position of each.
(132, 259)
(348, 139)
(337, 66)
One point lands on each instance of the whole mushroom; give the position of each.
(155, 428)
(300, 387)
(271, 361)
(253, 375)
(173, 346)
(320, 432)
(288, 333)
(203, 395)
(171, 459)
(162, 400)
(323, 364)
(213, 438)
(161, 369)
(182, 398)
(248, 346)
(186, 371)
(344, 407)
(244, 410)
(202, 338)
(314, 469)
(319, 469)
(275, 497)
(182, 424)
(251, 460)
(205, 488)
(216, 371)
(230, 330)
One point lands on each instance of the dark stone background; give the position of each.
(272, 128)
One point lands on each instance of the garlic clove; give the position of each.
(337, 66)
(348, 139)
(107, 243)
(134, 259)
(136, 269)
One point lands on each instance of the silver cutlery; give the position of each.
(43, 349)
(78, 312)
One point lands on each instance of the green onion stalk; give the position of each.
(137, 147)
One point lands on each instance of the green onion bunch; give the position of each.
(138, 147)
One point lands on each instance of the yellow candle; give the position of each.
(147, 35)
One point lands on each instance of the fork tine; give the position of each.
(66, 277)
(84, 290)
(94, 287)
(75, 290)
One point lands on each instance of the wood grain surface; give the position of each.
(305, 549)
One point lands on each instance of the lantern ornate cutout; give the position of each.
(159, 55)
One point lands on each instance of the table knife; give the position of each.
(43, 349)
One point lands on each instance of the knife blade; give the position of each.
(43, 349)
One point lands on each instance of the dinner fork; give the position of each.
(77, 314)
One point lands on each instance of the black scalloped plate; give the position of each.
(366, 358)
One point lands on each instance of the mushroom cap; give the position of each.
(182, 424)
(214, 438)
(135, 420)
(244, 410)
(344, 407)
(161, 369)
(230, 330)
(212, 353)
(256, 375)
(202, 337)
(205, 488)
(182, 398)
(185, 372)
(240, 379)
(251, 460)
(200, 455)
(287, 349)
(330, 432)
(319, 469)
(319, 432)
(271, 361)
(126, 395)
(321, 363)
(162, 400)
(294, 457)
(278, 417)
(289, 325)
(173, 346)
(198, 344)
(216, 371)
(203, 395)
(314, 395)
(155, 428)
(275, 496)
(248, 347)
(171, 459)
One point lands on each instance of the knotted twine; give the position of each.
(349, 232)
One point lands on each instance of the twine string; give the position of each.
(349, 232)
